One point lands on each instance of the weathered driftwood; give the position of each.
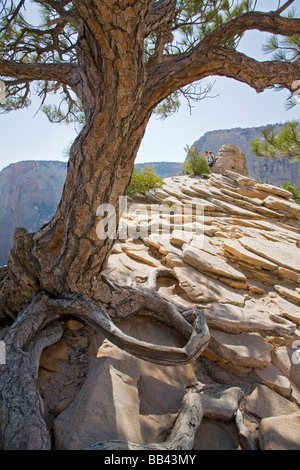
(182, 435)
(244, 433)
(22, 424)
(195, 405)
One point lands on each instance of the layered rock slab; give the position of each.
(253, 322)
(243, 349)
(282, 254)
(202, 288)
(265, 403)
(206, 262)
(280, 433)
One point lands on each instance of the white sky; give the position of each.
(24, 136)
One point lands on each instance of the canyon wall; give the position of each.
(267, 170)
(29, 193)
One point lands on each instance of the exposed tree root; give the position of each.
(182, 435)
(194, 406)
(37, 327)
(244, 433)
(159, 272)
(22, 424)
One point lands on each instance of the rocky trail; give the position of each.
(244, 271)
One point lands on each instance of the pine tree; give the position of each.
(282, 145)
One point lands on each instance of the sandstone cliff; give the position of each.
(162, 169)
(262, 169)
(29, 193)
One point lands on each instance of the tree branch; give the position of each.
(162, 12)
(62, 73)
(13, 13)
(210, 58)
(265, 22)
(58, 6)
(284, 7)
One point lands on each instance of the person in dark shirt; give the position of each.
(211, 159)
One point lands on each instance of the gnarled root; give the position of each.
(196, 404)
(182, 435)
(22, 424)
(244, 433)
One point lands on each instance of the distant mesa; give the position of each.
(162, 169)
(267, 170)
(31, 190)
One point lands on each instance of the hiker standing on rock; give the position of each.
(211, 159)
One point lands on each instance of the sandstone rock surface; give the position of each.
(265, 403)
(229, 158)
(280, 433)
(241, 266)
(29, 194)
(243, 271)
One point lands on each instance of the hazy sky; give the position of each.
(26, 136)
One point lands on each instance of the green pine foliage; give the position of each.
(141, 182)
(46, 41)
(285, 49)
(294, 190)
(196, 164)
(285, 144)
(194, 19)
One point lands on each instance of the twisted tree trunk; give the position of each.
(67, 255)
